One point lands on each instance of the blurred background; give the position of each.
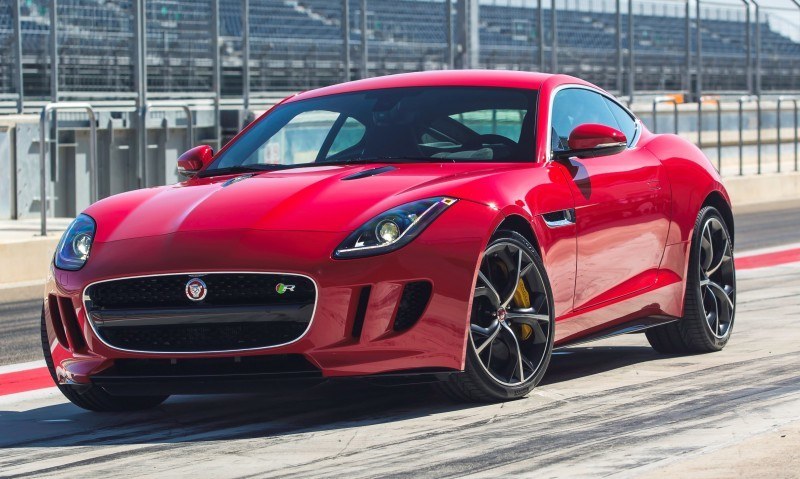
(99, 97)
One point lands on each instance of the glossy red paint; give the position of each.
(592, 135)
(195, 159)
(625, 256)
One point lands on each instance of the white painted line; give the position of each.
(13, 368)
(771, 249)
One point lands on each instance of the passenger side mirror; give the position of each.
(591, 140)
(194, 160)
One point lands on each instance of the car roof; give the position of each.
(476, 78)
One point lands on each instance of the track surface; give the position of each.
(611, 408)
(616, 408)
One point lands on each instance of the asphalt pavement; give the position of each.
(613, 408)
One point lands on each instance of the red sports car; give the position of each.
(450, 226)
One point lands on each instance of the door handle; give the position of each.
(654, 184)
(560, 218)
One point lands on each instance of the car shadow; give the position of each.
(326, 407)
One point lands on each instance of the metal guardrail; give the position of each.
(44, 140)
(778, 113)
(166, 106)
(665, 99)
(715, 100)
(742, 100)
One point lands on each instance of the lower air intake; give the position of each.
(413, 302)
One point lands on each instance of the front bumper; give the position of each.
(446, 254)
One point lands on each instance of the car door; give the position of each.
(622, 202)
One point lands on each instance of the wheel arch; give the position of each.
(718, 201)
(518, 223)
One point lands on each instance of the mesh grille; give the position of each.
(412, 304)
(205, 337)
(207, 325)
(223, 290)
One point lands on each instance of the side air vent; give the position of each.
(413, 302)
(70, 321)
(367, 173)
(361, 311)
(58, 324)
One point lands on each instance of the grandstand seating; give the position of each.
(297, 44)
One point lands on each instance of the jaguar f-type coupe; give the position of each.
(452, 227)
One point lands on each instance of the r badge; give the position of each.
(282, 288)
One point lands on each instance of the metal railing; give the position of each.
(43, 147)
(714, 100)
(161, 107)
(742, 100)
(782, 99)
(665, 99)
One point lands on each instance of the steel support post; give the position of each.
(364, 52)
(346, 39)
(19, 84)
(217, 81)
(246, 58)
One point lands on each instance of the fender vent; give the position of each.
(413, 302)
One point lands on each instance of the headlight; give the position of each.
(74, 247)
(393, 229)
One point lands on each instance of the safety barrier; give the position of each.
(43, 147)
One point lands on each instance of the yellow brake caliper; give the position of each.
(523, 300)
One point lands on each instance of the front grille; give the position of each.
(224, 289)
(239, 311)
(203, 337)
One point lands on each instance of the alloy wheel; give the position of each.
(717, 277)
(511, 321)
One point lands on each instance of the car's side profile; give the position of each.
(453, 226)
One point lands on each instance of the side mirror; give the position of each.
(591, 140)
(194, 160)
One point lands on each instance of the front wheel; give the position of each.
(710, 304)
(511, 325)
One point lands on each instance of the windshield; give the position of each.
(442, 124)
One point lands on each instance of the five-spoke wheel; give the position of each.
(717, 277)
(710, 302)
(511, 324)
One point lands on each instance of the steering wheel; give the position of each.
(495, 139)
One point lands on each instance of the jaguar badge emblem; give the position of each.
(196, 289)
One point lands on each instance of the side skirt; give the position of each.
(634, 326)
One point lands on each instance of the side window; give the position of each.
(349, 135)
(626, 123)
(576, 106)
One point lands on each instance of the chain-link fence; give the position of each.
(743, 46)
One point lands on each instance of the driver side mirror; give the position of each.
(592, 140)
(194, 160)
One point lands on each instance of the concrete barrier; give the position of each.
(766, 188)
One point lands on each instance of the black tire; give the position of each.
(693, 333)
(92, 397)
(475, 384)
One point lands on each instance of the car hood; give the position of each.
(300, 199)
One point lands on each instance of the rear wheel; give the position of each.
(710, 303)
(92, 397)
(511, 325)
